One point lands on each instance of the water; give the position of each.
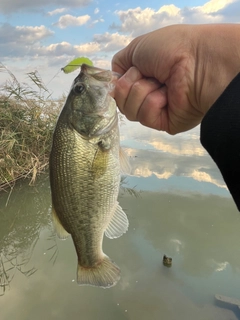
(182, 208)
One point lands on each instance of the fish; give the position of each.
(85, 166)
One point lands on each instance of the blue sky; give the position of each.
(45, 35)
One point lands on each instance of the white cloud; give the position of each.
(7, 6)
(87, 48)
(102, 63)
(139, 21)
(32, 34)
(56, 11)
(96, 11)
(67, 49)
(25, 42)
(171, 9)
(69, 20)
(97, 21)
(112, 41)
(18, 41)
(215, 5)
(57, 49)
(11, 34)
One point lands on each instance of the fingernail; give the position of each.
(132, 74)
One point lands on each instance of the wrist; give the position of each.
(217, 61)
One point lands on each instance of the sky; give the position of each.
(45, 35)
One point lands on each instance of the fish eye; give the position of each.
(79, 88)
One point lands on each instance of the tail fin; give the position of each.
(106, 274)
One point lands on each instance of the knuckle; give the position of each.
(151, 99)
(137, 88)
(122, 85)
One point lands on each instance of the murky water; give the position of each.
(181, 208)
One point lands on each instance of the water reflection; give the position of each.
(22, 218)
(178, 162)
(183, 211)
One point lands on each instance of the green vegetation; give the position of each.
(27, 119)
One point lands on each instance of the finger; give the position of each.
(122, 60)
(123, 87)
(117, 66)
(139, 92)
(153, 111)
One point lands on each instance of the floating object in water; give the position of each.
(167, 261)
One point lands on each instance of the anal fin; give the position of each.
(118, 224)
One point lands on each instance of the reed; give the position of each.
(27, 119)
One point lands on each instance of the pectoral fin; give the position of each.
(100, 163)
(118, 224)
(61, 232)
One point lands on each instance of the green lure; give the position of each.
(75, 64)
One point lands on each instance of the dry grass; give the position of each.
(27, 119)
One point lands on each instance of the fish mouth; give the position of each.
(90, 70)
(101, 75)
(97, 77)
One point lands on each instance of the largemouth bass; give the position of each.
(85, 175)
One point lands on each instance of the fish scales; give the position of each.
(82, 192)
(85, 177)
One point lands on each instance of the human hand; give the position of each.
(173, 75)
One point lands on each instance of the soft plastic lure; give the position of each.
(75, 64)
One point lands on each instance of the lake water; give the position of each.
(180, 207)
